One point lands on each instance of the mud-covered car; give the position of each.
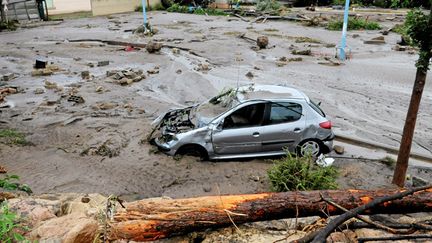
(249, 121)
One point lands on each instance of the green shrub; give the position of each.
(12, 137)
(301, 173)
(209, 11)
(354, 24)
(10, 183)
(177, 8)
(9, 226)
(267, 5)
(11, 25)
(156, 7)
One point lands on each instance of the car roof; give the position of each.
(269, 92)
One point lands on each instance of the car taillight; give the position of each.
(326, 125)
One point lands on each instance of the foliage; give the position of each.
(156, 7)
(267, 5)
(9, 226)
(377, 3)
(12, 137)
(10, 25)
(307, 40)
(389, 161)
(208, 11)
(301, 173)
(10, 182)
(354, 24)
(177, 8)
(419, 29)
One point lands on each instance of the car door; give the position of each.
(284, 126)
(240, 131)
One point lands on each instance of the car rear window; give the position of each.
(283, 112)
(317, 108)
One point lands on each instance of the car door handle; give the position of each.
(297, 129)
(256, 134)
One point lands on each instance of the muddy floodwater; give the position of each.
(98, 143)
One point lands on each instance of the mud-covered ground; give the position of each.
(367, 97)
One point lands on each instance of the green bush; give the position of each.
(9, 225)
(177, 8)
(300, 173)
(10, 183)
(156, 7)
(12, 137)
(354, 24)
(209, 11)
(267, 5)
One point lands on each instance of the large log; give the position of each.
(147, 220)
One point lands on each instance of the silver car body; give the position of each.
(278, 118)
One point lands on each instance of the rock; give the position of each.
(207, 188)
(262, 42)
(119, 75)
(85, 75)
(355, 36)
(375, 41)
(249, 75)
(153, 47)
(72, 228)
(337, 237)
(35, 210)
(254, 178)
(204, 67)
(99, 89)
(138, 78)
(306, 52)
(39, 91)
(8, 77)
(365, 233)
(110, 73)
(50, 85)
(418, 181)
(41, 72)
(339, 149)
(179, 71)
(399, 48)
(81, 205)
(103, 63)
(3, 170)
(153, 71)
(85, 199)
(130, 74)
(296, 59)
(385, 32)
(175, 51)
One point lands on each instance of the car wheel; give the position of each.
(193, 150)
(311, 147)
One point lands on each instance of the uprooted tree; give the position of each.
(153, 219)
(419, 28)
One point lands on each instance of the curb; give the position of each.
(387, 148)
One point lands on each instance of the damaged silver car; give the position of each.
(249, 121)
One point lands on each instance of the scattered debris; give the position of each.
(40, 64)
(305, 39)
(99, 89)
(262, 42)
(306, 52)
(3, 170)
(104, 106)
(203, 67)
(8, 77)
(330, 62)
(48, 70)
(50, 85)
(153, 47)
(39, 91)
(175, 51)
(339, 149)
(126, 76)
(282, 61)
(399, 48)
(355, 36)
(103, 63)
(85, 74)
(76, 99)
(179, 71)
(249, 75)
(375, 41)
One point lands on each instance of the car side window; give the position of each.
(283, 112)
(248, 116)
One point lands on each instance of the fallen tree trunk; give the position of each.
(147, 220)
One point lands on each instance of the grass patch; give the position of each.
(307, 39)
(301, 173)
(10, 25)
(389, 161)
(12, 137)
(267, 5)
(177, 8)
(354, 24)
(157, 7)
(76, 15)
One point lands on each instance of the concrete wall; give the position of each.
(105, 7)
(68, 6)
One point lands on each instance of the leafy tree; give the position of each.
(419, 28)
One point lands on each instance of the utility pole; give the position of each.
(425, 54)
(342, 55)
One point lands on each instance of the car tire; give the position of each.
(193, 150)
(315, 146)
